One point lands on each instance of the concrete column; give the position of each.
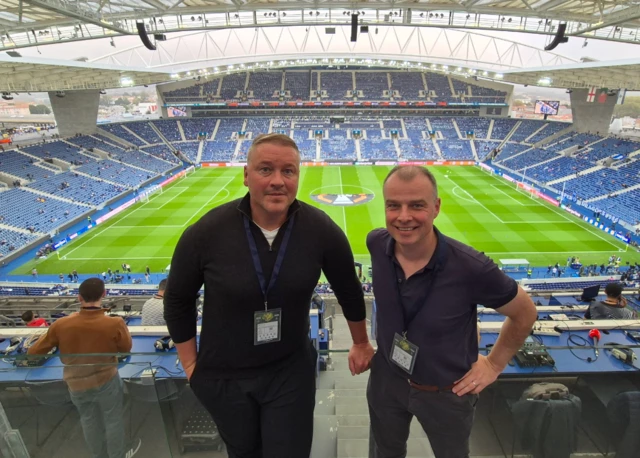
(76, 112)
(592, 116)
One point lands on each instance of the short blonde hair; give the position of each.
(276, 139)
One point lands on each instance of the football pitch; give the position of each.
(483, 211)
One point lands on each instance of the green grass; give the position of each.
(483, 211)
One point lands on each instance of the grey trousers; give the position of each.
(101, 415)
(445, 417)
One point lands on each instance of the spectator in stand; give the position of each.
(153, 309)
(34, 321)
(94, 384)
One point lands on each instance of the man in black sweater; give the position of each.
(260, 258)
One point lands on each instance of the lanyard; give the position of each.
(256, 258)
(409, 316)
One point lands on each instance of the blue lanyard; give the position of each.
(256, 258)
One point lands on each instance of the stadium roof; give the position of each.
(623, 74)
(32, 22)
(30, 74)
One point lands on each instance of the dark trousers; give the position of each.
(445, 417)
(270, 416)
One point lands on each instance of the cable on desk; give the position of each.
(577, 341)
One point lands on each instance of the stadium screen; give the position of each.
(548, 107)
(176, 112)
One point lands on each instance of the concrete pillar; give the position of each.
(76, 112)
(592, 116)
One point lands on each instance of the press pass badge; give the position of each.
(403, 353)
(266, 326)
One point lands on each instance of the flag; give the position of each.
(591, 97)
(621, 95)
(602, 96)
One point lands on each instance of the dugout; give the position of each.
(514, 265)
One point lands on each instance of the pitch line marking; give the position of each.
(344, 213)
(224, 188)
(511, 197)
(586, 227)
(474, 199)
(109, 227)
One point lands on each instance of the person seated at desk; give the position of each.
(613, 307)
(153, 309)
(32, 321)
(94, 384)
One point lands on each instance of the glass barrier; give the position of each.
(73, 407)
(79, 406)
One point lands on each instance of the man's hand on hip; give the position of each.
(360, 357)
(482, 374)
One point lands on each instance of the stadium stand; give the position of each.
(439, 85)
(445, 126)
(116, 172)
(530, 159)
(189, 149)
(487, 95)
(408, 85)
(338, 146)
(80, 188)
(12, 240)
(511, 149)
(59, 150)
(121, 132)
(192, 127)
(485, 147)
(456, 150)
(336, 83)
(264, 84)
(163, 152)
(502, 127)
(479, 126)
(169, 128)
(375, 147)
(24, 210)
(145, 131)
(552, 128)
(231, 84)
(298, 84)
(306, 145)
(223, 147)
(371, 84)
(23, 166)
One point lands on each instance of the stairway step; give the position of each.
(350, 393)
(359, 448)
(325, 402)
(354, 383)
(325, 440)
(352, 420)
(355, 409)
(362, 432)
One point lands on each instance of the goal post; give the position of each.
(149, 193)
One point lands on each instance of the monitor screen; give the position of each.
(548, 107)
(590, 293)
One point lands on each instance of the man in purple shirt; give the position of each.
(427, 287)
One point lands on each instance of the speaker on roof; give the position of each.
(354, 27)
(559, 38)
(330, 30)
(142, 32)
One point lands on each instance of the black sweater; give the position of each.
(215, 252)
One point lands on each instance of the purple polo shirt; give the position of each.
(443, 297)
